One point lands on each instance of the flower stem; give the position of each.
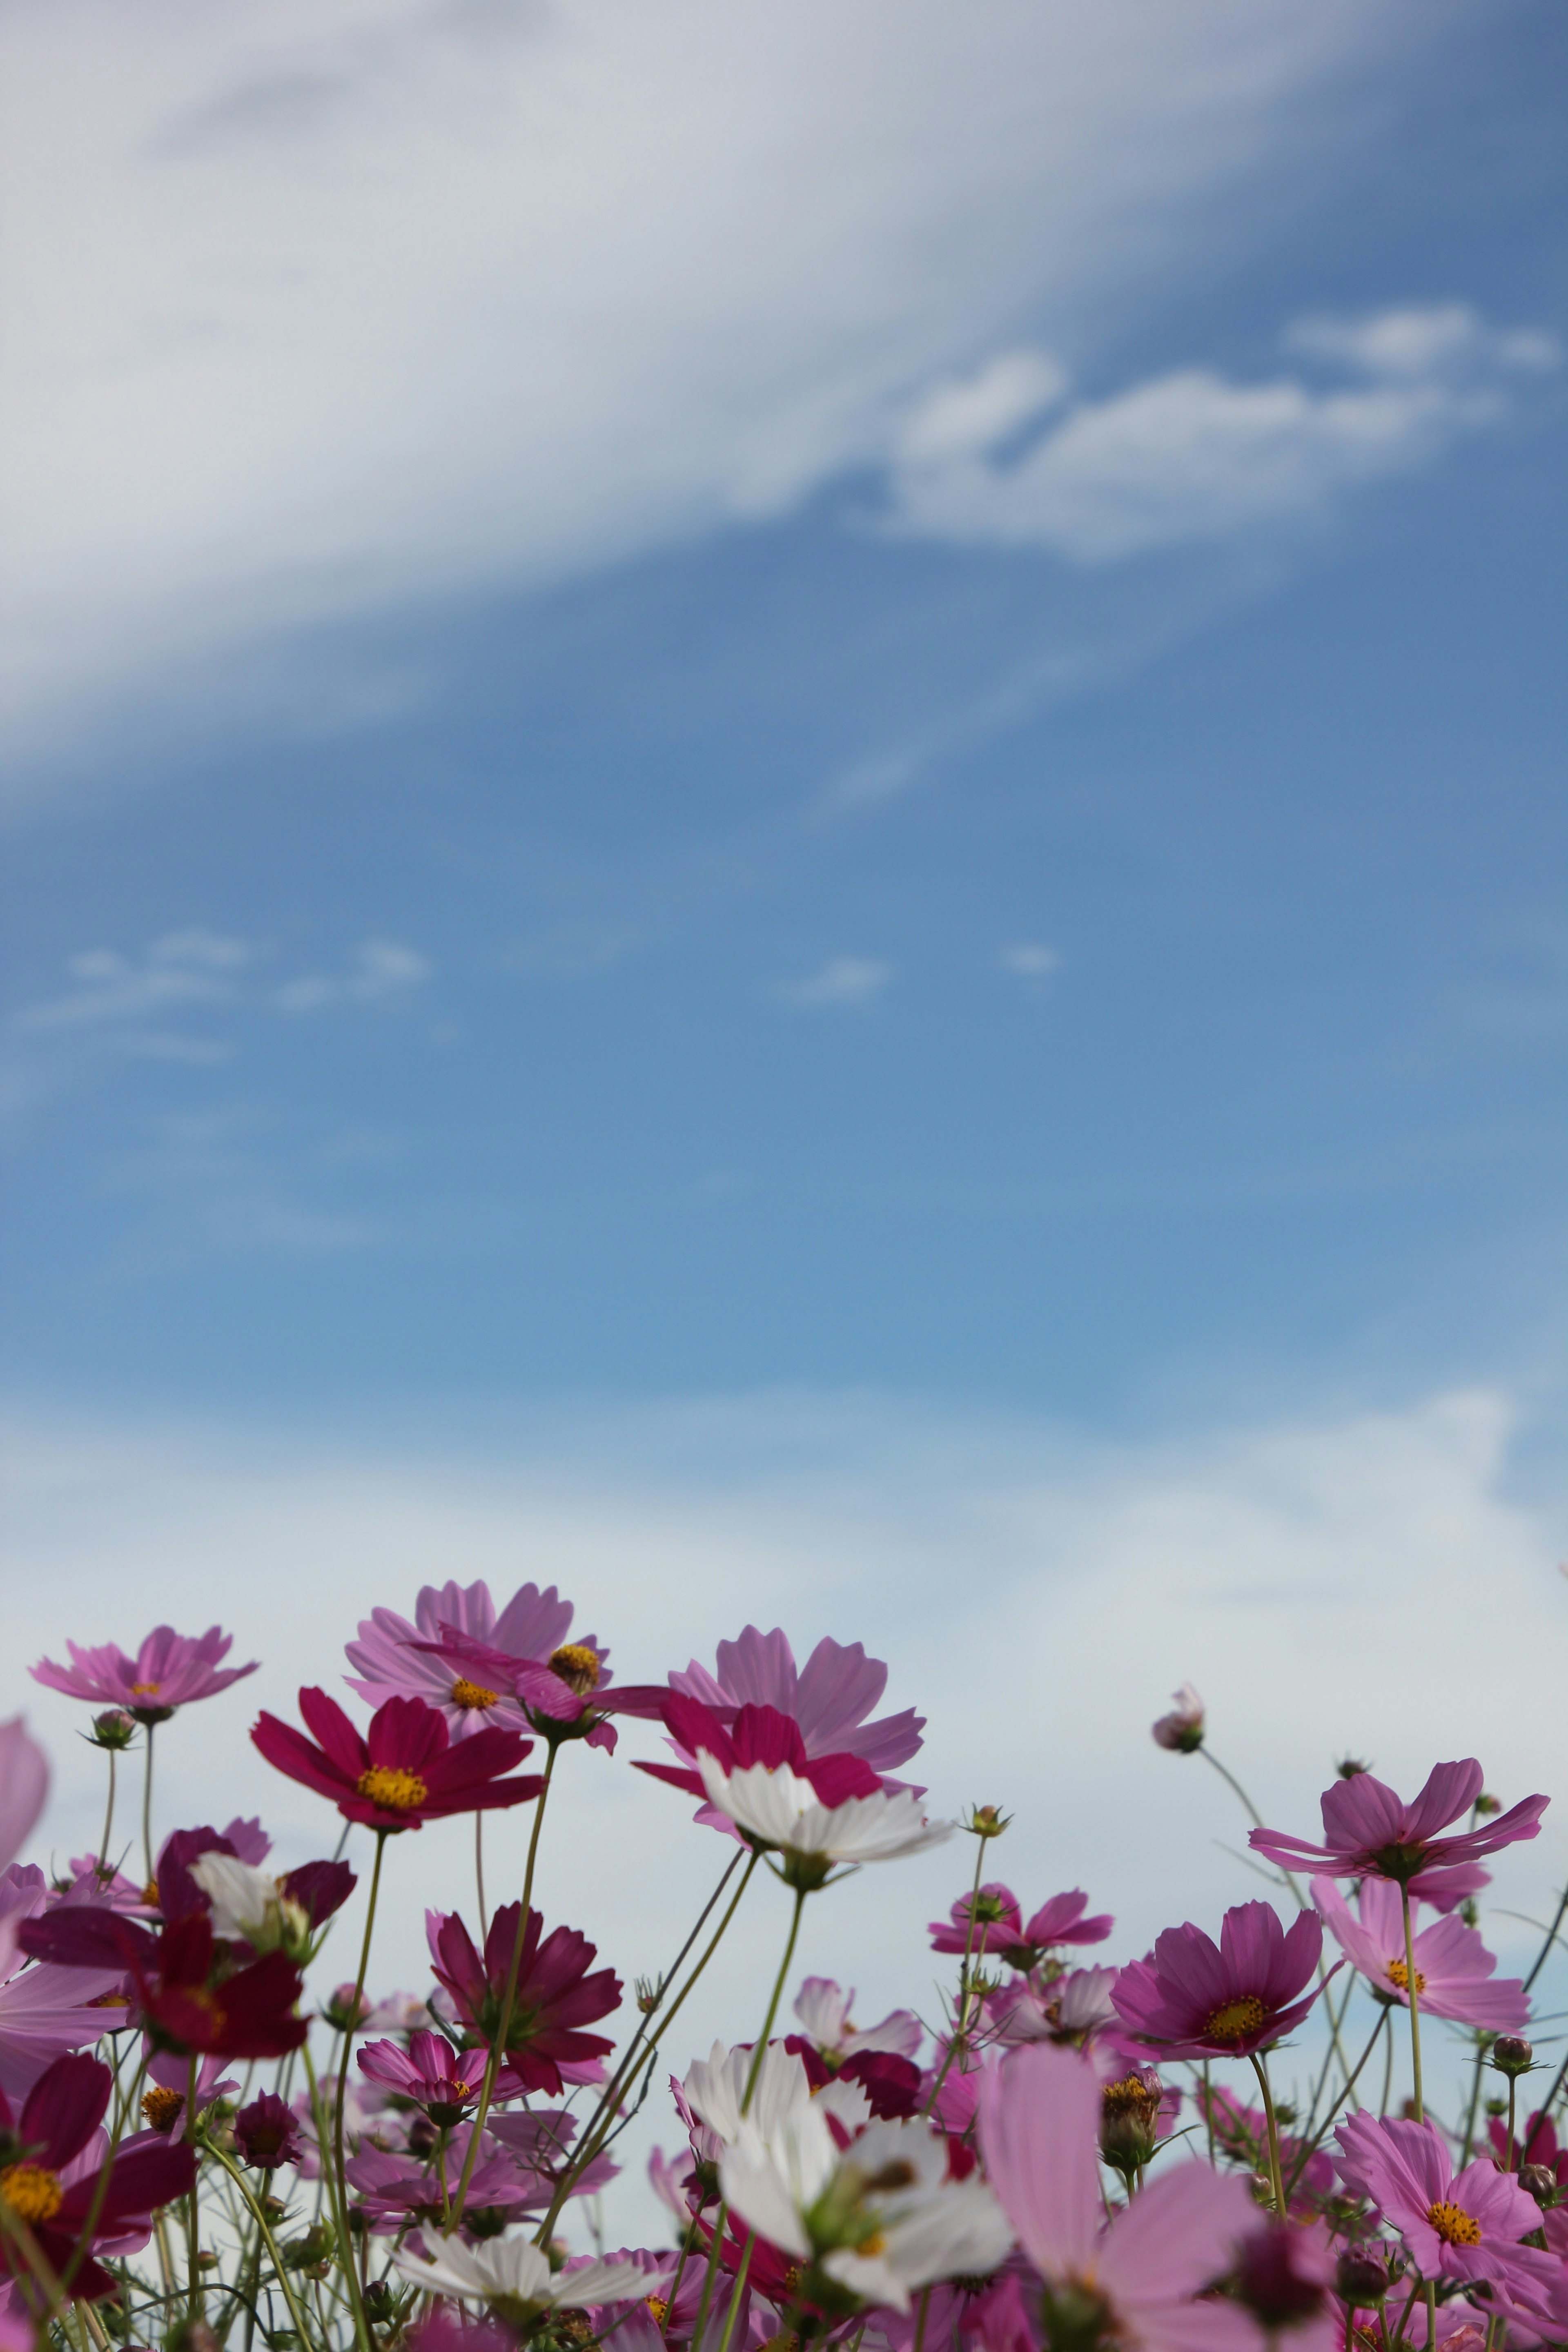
(107, 1821)
(1277, 2182)
(345, 2250)
(956, 2039)
(1414, 1996)
(295, 2313)
(1512, 2163)
(147, 1805)
(739, 2289)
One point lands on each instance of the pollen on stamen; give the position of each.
(1454, 2225)
(1399, 1976)
(32, 2191)
(1234, 2020)
(162, 2105)
(145, 1690)
(659, 2306)
(389, 1786)
(472, 1696)
(577, 1665)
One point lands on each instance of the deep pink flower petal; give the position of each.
(406, 1735)
(65, 2107)
(333, 1733)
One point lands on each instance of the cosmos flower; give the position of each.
(247, 2014)
(405, 1770)
(1463, 2226)
(513, 2279)
(397, 1659)
(44, 2010)
(880, 2059)
(555, 1997)
(563, 1695)
(24, 1786)
(1193, 1999)
(1181, 1730)
(999, 1928)
(266, 2134)
(169, 1670)
(249, 1906)
(1073, 2007)
(443, 2081)
(1370, 1831)
(1131, 2283)
(828, 1699)
(1453, 1966)
(398, 2187)
(54, 2187)
(876, 2219)
(168, 2085)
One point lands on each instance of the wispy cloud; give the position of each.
(1194, 456)
(381, 968)
(842, 980)
(183, 968)
(1029, 960)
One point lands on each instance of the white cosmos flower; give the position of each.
(513, 2273)
(823, 2009)
(779, 1809)
(247, 1903)
(715, 2087)
(881, 2218)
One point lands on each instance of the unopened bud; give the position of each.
(648, 1995)
(1361, 2280)
(1129, 2120)
(342, 2012)
(1486, 1805)
(113, 1729)
(1538, 2180)
(988, 1820)
(1512, 2055)
(486, 2220)
(1350, 1767)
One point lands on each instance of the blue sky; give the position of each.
(784, 832)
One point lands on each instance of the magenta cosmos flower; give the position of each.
(1133, 2283)
(1463, 2226)
(266, 2134)
(54, 2186)
(556, 1996)
(1370, 1830)
(399, 1660)
(1453, 1966)
(998, 1926)
(23, 1786)
(405, 1770)
(828, 1699)
(169, 1670)
(443, 2081)
(1192, 1999)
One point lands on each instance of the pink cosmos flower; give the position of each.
(23, 1786)
(169, 1670)
(828, 1699)
(999, 1927)
(44, 2011)
(1452, 1965)
(555, 1997)
(1370, 1831)
(563, 1695)
(1194, 2000)
(1039, 2120)
(443, 2081)
(1283, 2278)
(397, 1659)
(168, 2081)
(54, 2186)
(405, 1770)
(1074, 2008)
(1462, 2226)
(397, 2188)
(1183, 1729)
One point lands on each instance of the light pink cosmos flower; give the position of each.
(823, 2009)
(1075, 2008)
(829, 1698)
(23, 1786)
(394, 1659)
(169, 1670)
(1183, 1729)
(1463, 2226)
(44, 2011)
(1039, 2123)
(1453, 1966)
(1369, 1831)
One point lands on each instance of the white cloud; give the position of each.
(381, 968)
(1029, 960)
(110, 988)
(843, 979)
(1361, 1581)
(331, 305)
(1191, 456)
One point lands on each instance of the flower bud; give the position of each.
(987, 1820)
(1181, 1730)
(1486, 1806)
(1538, 2180)
(341, 2012)
(1361, 2279)
(1512, 2055)
(1129, 2120)
(114, 1729)
(1350, 1767)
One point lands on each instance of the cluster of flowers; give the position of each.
(1018, 2178)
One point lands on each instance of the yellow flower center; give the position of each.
(872, 2246)
(145, 1690)
(472, 1695)
(1454, 2225)
(577, 1665)
(659, 2306)
(31, 2192)
(160, 2107)
(389, 1785)
(1399, 1976)
(149, 1894)
(1130, 2096)
(1234, 2020)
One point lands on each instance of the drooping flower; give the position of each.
(1132, 2282)
(24, 1786)
(54, 2186)
(556, 1996)
(513, 2279)
(1369, 1831)
(397, 1659)
(873, 2220)
(1463, 2226)
(169, 1670)
(828, 1699)
(184, 2003)
(1181, 1730)
(44, 2011)
(266, 2134)
(1453, 1966)
(1192, 1999)
(1136, 2111)
(998, 1926)
(405, 1770)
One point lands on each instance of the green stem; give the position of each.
(920, 2322)
(295, 2313)
(83, 2246)
(1277, 2182)
(191, 2215)
(1561, 1913)
(503, 2029)
(956, 2039)
(1512, 2163)
(1310, 2147)
(147, 1805)
(1414, 1996)
(345, 2247)
(107, 1821)
(735, 2299)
